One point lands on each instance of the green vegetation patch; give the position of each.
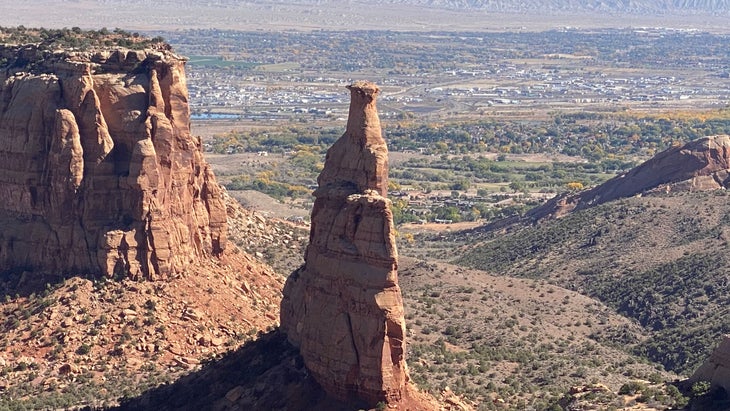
(220, 62)
(660, 261)
(76, 38)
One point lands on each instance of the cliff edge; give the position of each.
(98, 170)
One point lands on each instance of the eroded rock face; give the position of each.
(716, 369)
(98, 170)
(702, 164)
(343, 308)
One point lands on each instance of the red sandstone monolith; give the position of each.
(343, 307)
(100, 173)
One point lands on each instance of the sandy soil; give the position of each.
(436, 227)
(267, 205)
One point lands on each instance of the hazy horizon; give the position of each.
(405, 15)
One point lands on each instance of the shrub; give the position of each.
(632, 387)
(83, 349)
(700, 388)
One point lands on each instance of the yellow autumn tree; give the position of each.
(575, 186)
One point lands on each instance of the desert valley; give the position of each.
(295, 214)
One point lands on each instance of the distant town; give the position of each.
(485, 125)
(261, 76)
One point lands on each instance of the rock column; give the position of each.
(343, 307)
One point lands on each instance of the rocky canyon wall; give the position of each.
(343, 308)
(98, 170)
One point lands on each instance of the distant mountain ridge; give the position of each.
(402, 15)
(553, 6)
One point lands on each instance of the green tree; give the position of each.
(516, 186)
(700, 388)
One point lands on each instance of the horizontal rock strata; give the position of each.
(98, 170)
(343, 308)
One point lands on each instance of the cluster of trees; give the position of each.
(595, 137)
(314, 139)
(462, 172)
(264, 182)
(485, 210)
(413, 52)
(605, 139)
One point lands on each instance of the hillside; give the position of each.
(522, 341)
(487, 356)
(85, 342)
(651, 243)
(659, 260)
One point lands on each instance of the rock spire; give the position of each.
(100, 173)
(343, 307)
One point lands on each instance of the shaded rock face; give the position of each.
(716, 369)
(98, 170)
(343, 308)
(702, 164)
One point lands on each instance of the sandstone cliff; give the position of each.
(343, 308)
(702, 164)
(98, 170)
(716, 369)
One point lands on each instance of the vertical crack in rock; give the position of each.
(343, 308)
(352, 341)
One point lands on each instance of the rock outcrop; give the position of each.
(98, 170)
(716, 369)
(343, 307)
(702, 164)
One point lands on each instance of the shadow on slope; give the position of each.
(266, 374)
(660, 260)
(23, 283)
